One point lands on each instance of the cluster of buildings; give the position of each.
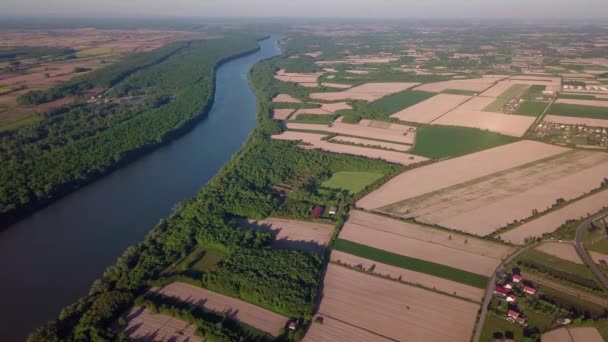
(577, 133)
(508, 291)
(589, 87)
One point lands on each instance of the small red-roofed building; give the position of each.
(513, 314)
(529, 290)
(501, 291)
(508, 286)
(517, 278)
(511, 298)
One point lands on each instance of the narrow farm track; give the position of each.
(566, 289)
(578, 243)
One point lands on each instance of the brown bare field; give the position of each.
(593, 103)
(326, 109)
(372, 143)
(454, 171)
(598, 257)
(576, 75)
(421, 279)
(540, 79)
(315, 141)
(336, 85)
(285, 98)
(562, 250)
(477, 103)
(486, 204)
(308, 84)
(299, 78)
(430, 109)
(422, 243)
(397, 133)
(497, 90)
(254, 316)
(572, 120)
(359, 60)
(565, 334)
(512, 125)
(368, 91)
(144, 325)
(332, 330)
(291, 234)
(281, 114)
(550, 222)
(475, 84)
(393, 310)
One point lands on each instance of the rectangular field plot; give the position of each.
(431, 109)
(486, 204)
(405, 275)
(422, 243)
(291, 234)
(372, 143)
(315, 141)
(592, 112)
(591, 103)
(392, 310)
(249, 314)
(550, 222)
(476, 84)
(393, 133)
(508, 124)
(368, 92)
(144, 325)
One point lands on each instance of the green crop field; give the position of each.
(459, 92)
(531, 108)
(394, 103)
(579, 97)
(314, 118)
(201, 259)
(496, 324)
(600, 246)
(352, 181)
(515, 91)
(413, 264)
(579, 111)
(435, 141)
(98, 51)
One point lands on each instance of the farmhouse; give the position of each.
(511, 298)
(501, 291)
(513, 314)
(517, 278)
(529, 290)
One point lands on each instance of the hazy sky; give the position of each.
(552, 9)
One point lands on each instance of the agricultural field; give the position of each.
(391, 310)
(507, 124)
(585, 334)
(144, 325)
(575, 110)
(561, 250)
(371, 143)
(531, 108)
(394, 103)
(200, 260)
(477, 84)
(551, 221)
(291, 234)
(368, 92)
(285, 98)
(353, 181)
(249, 314)
(430, 109)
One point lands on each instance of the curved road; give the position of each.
(578, 243)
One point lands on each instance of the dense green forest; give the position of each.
(75, 144)
(285, 281)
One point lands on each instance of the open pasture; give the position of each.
(484, 205)
(254, 316)
(291, 234)
(315, 141)
(364, 129)
(550, 222)
(393, 310)
(423, 243)
(562, 250)
(368, 92)
(353, 181)
(430, 109)
(512, 125)
(405, 275)
(144, 325)
(475, 84)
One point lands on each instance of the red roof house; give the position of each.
(529, 290)
(517, 278)
(512, 314)
(511, 298)
(501, 291)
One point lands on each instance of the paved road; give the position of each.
(578, 243)
(490, 291)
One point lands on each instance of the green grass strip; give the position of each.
(412, 264)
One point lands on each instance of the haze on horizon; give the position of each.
(541, 9)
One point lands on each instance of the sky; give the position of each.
(546, 9)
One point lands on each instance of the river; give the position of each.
(50, 259)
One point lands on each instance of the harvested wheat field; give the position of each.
(371, 143)
(401, 238)
(332, 330)
(395, 133)
(254, 316)
(144, 325)
(368, 92)
(291, 234)
(592, 103)
(285, 98)
(597, 257)
(507, 124)
(430, 109)
(565, 334)
(421, 279)
(475, 84)
(486, 204)
(315, 141)
(454, 171)
(336, 85)
(550, 222)
(562, 250)
(281, 114)
(393, 310)
(572, 120)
